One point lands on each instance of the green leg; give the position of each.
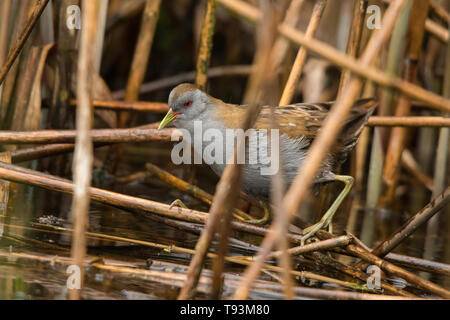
(325, 221)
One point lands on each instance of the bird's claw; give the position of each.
(312, 230)
(264, 219)
(178, 203)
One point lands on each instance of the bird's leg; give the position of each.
(325, 221)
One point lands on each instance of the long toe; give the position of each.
(311, 231)
(178, 203)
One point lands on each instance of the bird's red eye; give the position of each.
(187, 103)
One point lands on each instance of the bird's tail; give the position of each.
(354, 125)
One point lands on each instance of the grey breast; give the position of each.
(258, 159)
(262, 162)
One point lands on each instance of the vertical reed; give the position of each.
(289, 89)
(419, 12)
(83, 155)
(206, 42)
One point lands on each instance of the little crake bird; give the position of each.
(298, 125)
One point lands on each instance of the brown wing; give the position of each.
(306, 119)
(296, 120)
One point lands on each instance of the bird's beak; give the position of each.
(170, 116)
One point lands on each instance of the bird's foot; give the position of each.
(328, 216)
(178, 203)
(264, 219)
(311, 230)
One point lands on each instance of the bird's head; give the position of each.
(186, 104)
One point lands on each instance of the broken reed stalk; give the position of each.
(354, 38)
(328, 244)
(397, 271)
(359, 250)
(413, 223)
(340, 59)
(321, 144)
(419, 264)
(158, 107)
(191, 189)
(296, 70)
(437, 30)
(97, 135)
(83, 156)
(422, 121)
(38, 152)
(416, 30)
(24, 34)
(353, 272)
(410, 226)
(206, 42)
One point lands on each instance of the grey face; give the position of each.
(188, 106)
